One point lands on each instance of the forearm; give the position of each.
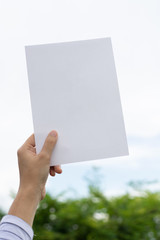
(24, 206)
(34, 170)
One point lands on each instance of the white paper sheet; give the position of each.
(74, 90)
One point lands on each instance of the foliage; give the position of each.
(97, 217)
(1, 214)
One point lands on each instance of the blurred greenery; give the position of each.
(133, 216)
(97, 217)
(1, 213)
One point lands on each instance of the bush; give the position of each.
(97, 218)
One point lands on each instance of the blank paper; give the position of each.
(74, 90)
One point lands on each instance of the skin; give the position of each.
(34, 170)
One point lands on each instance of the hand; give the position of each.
(34, 168)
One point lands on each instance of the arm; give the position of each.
(34, 170)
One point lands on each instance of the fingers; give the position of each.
(52, 172)
(49, 144)
(30, 141)
(55, 169)
(58, 169)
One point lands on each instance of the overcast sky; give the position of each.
(134, 27)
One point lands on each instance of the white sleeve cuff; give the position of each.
(14, 220)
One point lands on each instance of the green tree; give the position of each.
(97, 217)
(1, 213)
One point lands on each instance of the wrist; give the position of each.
(29, 194)
(25, 204)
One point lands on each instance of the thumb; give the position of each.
(49, 144)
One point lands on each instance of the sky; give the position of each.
(134, 27)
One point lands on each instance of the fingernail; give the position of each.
(53, 133)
